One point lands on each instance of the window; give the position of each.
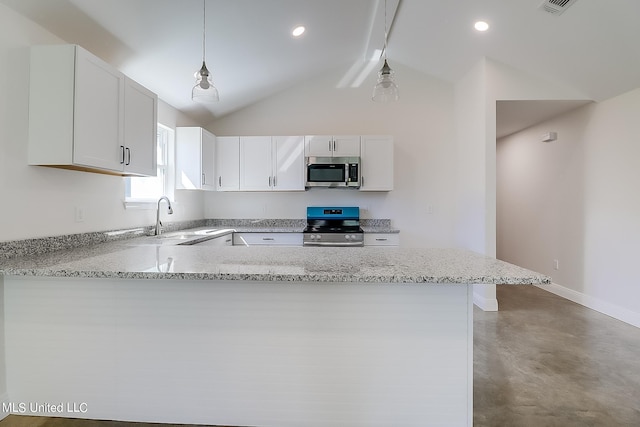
(144, 192)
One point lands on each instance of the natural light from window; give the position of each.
(150, 189)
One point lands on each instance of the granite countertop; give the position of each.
(152, 258)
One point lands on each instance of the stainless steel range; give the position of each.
(333, 226)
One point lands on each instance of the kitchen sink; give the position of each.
(183, 237)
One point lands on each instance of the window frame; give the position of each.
(166, 136)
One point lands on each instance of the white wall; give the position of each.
(475, 100)
(576, 200)
(39, 201)
(421, 123)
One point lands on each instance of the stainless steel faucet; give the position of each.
(169, 210)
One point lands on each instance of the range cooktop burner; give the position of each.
(333, 226)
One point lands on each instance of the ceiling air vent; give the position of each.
(556, 7)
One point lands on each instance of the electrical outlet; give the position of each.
(556, 264)
(79, 214)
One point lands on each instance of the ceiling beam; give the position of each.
(375, 40)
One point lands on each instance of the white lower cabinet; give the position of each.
(226, 240)
(381, 239)
(267, 239)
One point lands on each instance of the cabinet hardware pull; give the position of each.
(121, 154)
(268, 238)
(220, 181)
(334, 145)
(380, 239)
(128, 156)
(329, 145)
(204, 178)
(269, 181)
(274, 181)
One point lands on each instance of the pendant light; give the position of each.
(386, 90)
(204, 90)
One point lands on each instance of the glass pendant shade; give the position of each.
(204, 90)
(386, 90)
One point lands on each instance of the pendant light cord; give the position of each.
(385, 30)
(204, 27)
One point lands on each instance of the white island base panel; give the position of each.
(240, 353)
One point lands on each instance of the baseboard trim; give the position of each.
(604, 307)
(486, 304)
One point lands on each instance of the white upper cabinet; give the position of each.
(86, 115)
(376, 163)
(195, 158)
(255, 163)
(272, 163)
(288, 163)
(140, 127)
(227, 163)
(332, 146)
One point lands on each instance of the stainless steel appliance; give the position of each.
(333, 226)
(333, 172)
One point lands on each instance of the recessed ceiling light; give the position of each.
(298, 31)
(481, 26)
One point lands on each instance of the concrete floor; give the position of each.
(546, 361)
(540, 361)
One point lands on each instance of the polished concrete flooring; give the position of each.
(540, 361)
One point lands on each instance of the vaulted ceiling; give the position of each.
(591, 48)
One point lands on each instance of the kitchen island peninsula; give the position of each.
(248, 336)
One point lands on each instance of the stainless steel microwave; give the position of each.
(333, 172)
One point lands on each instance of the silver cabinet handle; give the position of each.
(128, 156)
(268, 238)
(269, 181)
(220, 181)
(274, 181)
(381, 239)
(362, 181)
(329, 145)
(334, 145)
(122, 154)
(204, 178)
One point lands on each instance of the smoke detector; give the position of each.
(556, 7)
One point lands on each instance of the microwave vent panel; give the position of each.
(556, 7)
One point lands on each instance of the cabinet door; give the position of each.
(227, 161)
(288, 163)
(381, 239)
(346, 146)
(318, 146)
(376, 163)
(207, 157)
(255, 163)
(188, 158)
(98, 139)
(140, 129)
(267, 239)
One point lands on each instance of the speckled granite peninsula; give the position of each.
(146, 330)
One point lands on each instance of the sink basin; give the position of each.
(183, 237)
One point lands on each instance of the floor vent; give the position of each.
(556, 7)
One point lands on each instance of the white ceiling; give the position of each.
(592, 48)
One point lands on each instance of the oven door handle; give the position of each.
(333, 244)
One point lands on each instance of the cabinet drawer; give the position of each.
(381, 239)
(226, 240)
(268, 239)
